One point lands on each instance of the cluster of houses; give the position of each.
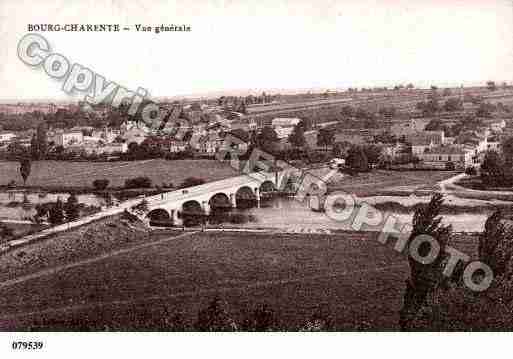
(207, 125)
(434, 149)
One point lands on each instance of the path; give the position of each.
(57, 269)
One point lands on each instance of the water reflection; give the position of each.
(19, 205)
(289, 214)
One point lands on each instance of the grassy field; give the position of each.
(82, 174)
(381, 181)
(351, 276)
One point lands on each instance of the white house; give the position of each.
(67, 138)
(438, 157)
(285, 121)
(6, 136)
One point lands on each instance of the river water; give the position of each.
(293, 215)
(18, 205)
(288, 213)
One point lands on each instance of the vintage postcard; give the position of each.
(255, 166)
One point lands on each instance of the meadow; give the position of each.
(351, 277)
(58, 174)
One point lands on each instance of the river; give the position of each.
(287, 213)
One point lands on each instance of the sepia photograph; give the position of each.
(300, 166)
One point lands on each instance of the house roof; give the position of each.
(448, 150)
(425, 138)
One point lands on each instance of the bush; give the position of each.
(471, 171)
(192, 181)
(138, 182)
(100, 184)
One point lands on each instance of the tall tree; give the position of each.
(373, 153)
(325, 137)
(268, 134)
(424, 277)
(495, 248)
(507, 151)
(493, 169)
(297, 137)
(25, 167)
(42, 140)
(356, 159)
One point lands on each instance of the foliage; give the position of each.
(373, 153)
(141, 206)
(357, 160)
(214, 318)
(490, 85)
(5, 231)
(455, 307)
(100, 184)
(471, 171)
(71, 208)
(453, 104)
(56, 213)
(25, 167)
(191, 182)
(38, 144)
(507, 151)
(260, 319)
(496, 244)
(492, 169)
(138, 182)
(424, 278)
(297, 137)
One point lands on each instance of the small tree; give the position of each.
(25, 166)
(356, 159)
(56, 213)
(492, 169)
(72, 209)
(142, 206)
(297, 137)
(5, 232)
(138, 182)
(100, 184)
(325, 138)
(373, 153)
(192, 181)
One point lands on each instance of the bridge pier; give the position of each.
(176, 221)
(257, 195)
(233, 200)
(206, 207)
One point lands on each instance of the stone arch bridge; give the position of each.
(225, 192)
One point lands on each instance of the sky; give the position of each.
(267, 44)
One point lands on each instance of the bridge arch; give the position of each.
(159, 216)
(267, 187)
(219, 200)
(192, 213)
(245, 197)
(191, 207)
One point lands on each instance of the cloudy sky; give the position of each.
(266, 44)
